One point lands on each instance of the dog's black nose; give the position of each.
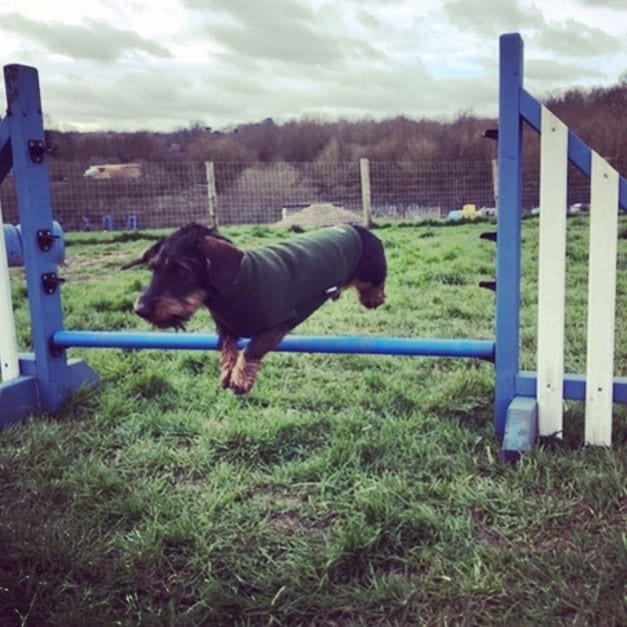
(143, 308)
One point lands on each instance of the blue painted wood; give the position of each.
(6, 161)
(530, 110)
(574, 386)
(15, 249)
(47, 380)
(35, 209)
(579, 153)
(509, 227)
(81, 376)
(18, 400)
(428, 347)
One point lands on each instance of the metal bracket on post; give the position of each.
(488, 285)
(36, 149)
(491, 237)
(50, 282)
(46, 239)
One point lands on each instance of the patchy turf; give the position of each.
(345, 490)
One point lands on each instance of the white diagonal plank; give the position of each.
(601, 301)
(552, 273)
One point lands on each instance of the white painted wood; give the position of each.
(601, 301)
(8, 336)
(552, 273)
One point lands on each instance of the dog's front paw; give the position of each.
(244, 375)
(225, 377)
(228, 359)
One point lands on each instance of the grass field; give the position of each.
(345, 490)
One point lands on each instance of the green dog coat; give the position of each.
(285, 283)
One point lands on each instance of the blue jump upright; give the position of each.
(46, 378)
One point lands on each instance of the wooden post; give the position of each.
(366, 201)
(212, 196)
(495, 181)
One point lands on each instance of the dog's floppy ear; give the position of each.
(223, 262)
(147, 256)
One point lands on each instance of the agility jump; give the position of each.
(525, 402)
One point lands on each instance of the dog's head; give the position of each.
(190, 268)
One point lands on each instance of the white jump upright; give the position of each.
(604, 207)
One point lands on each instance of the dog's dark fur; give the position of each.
(195, 267)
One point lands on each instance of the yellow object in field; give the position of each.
(469, 211)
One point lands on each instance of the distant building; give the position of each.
(114, 171)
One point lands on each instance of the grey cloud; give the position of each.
(619, 5)
(244, 10)
(275, 30)
(395, 89)
(489, 18)
(96, 41)
(571, 38)
(276, 41)
(131, 101)
(578, 40)
(550, 71)
(282, 59)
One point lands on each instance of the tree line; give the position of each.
(596, 115)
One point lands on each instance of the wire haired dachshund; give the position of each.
(260, 294)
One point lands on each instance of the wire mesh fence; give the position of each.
(167, 194)
(263, 193)
(140, 196)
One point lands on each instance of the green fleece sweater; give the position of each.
(285, 283)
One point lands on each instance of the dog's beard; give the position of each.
(173, 313)
(177, 325)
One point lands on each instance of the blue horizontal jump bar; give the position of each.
(479, 349)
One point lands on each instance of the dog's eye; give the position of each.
(179, 268)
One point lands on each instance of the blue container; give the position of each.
(15, 247)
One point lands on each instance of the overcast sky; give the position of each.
(161, 65)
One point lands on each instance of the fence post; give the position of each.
(495, 181)
(366, 202)
(212, 195)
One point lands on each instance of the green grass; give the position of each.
(345, 490)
